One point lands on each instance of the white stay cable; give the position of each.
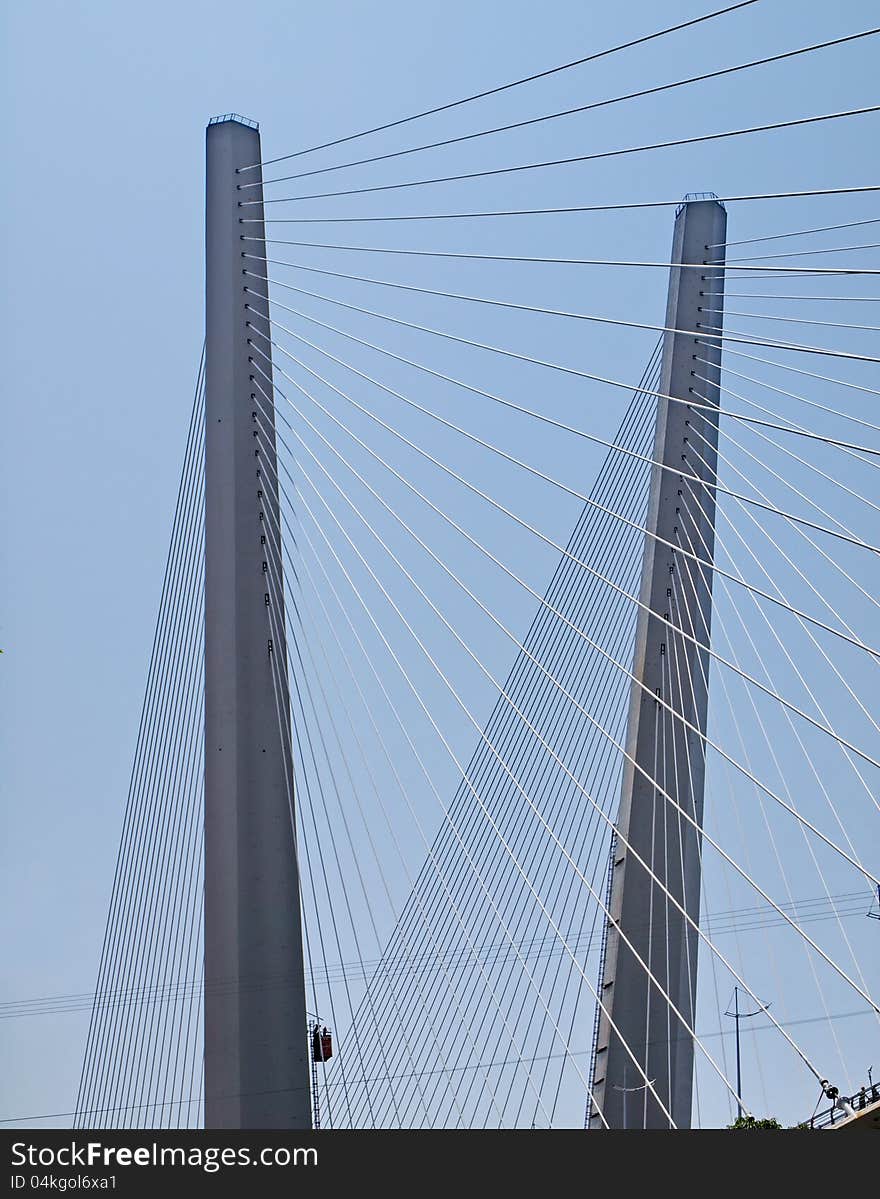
(767, 825)
(793, 565)
(669, 798)
(566, 370)
(473, 949)
(798, 370)
(771, 837)
(278, 566)
(522, 648)
(594, 318)
(459, 766)
(501, 508)
(789, 453)
(801, 495)
(519, 787)
(792, 395)
(844, 534)
(693, 405)
(835, 670)
(580, 788)
(782, 774)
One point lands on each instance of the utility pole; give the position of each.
(737, 1016)
(676, 594)
(256, 1062)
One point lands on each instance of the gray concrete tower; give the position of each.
(256, 1062)
(681, 513)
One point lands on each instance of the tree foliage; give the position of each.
(753, 1122)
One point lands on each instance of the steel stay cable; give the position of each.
(278, 565)
(540, 667)
(197, 924)
(692, 405)
(146, 706)
(161, 849)
(512, 941)
(162, 830)
(286, 422)
(585, 816)
(790, 453)
(596, 104)
(669, 799)
(179, 827)
(790, 424)
(173, 918)
(704, 621)
(300, 730)
(579, 632)
(140, 955)
(185, 949)
(841, 677)
(711, 841)
(562, 848)
(576, 158)
(281, 695)
(746, 295)
(782, 775)
(543, 260)
(772, 839)
(180, 542)
(796, 320)
(802, 495)
(504, 87)
(588, 500)
(842, 571)
(795, 254)
(705, 332)
(419, 701)
(719, 1033)
(845, 535)
(811, 587)
(418, 449)
(801, 679)
(281, 691)
(375, 854)
(831, 844)
(154, 1029)
(488, 817)
(191, 957)
(797, 370)
(733, 761)
(747, 241)
(327, 618)
(477, 957)
(849, 903)
(341, 695)
(765, 273)
(636, 204)
(568, 370)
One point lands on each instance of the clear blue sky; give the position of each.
(103, 135)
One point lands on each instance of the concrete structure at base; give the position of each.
(643, 1057)
(256, 1063)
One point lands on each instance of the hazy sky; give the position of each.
(105, 109)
